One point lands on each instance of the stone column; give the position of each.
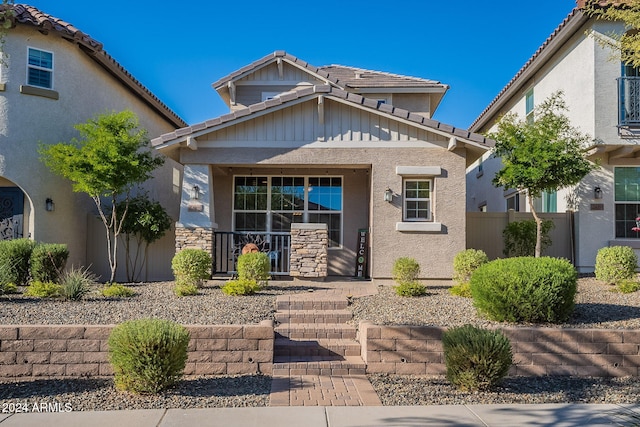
(308, 259)
(195, 227)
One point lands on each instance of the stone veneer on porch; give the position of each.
(308, 259)
(196, 237)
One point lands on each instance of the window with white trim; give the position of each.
(627, 201)
(40, 68)
(273, 203)
(529, 106)
(417, 199)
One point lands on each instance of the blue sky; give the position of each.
(178, 49)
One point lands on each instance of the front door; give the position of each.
(11, 212)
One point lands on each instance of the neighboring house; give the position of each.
(603, 98)
(54, 77)
(336, 148)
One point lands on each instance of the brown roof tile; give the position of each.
(332, 92)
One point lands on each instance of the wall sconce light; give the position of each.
(195, 192)
(597, 193)
(388, 195)
(49, 205)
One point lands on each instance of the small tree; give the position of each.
(109, 160)
(544, 155)
(146, 221)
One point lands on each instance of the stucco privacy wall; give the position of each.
(536, 351)
(82, 350)
(434, 251)
(84, 89)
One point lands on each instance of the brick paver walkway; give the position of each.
(325, 390)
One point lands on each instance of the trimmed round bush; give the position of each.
(616, 263)
(48, 261)
(14, 260)
(405, 270)
(254, 266)
(476, 358)
(191, 266)
(411, 289)
(148, 355)
(182, 290)
(466, 262)
(241, 287)
(525, 289)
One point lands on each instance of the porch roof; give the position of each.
(476, 143)
(613, 154)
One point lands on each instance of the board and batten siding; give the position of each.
(300, 123)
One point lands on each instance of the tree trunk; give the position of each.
(538, 226)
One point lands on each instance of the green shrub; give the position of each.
(627, 286)
(48, 261)
(520, 237)
(43, 290)
(525, 289)
(615, 263)
(254, 266)
(461, 290)
(8, 288)
(116, 290)
(183, 290)
(241, 287)
(466, 262)
(476, 358)
(405, 270)
(191, 266)
(411, 289)
(76, 283)
(14, 256)
(148, 355)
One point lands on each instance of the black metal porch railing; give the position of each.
(227, 246)
(629, 101)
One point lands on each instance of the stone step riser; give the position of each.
(311, 305)
(284, 318)
(319, 371)
(315, 351)
(316, 335)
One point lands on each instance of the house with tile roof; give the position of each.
(55, 76)
(332, 170)
(603, 97)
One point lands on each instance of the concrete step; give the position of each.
(349, 365)
(323, 347)
(296, 302)
(313, 316)
(314, 331)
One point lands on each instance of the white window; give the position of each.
(417, 199)
(529, 106)
(40, 68)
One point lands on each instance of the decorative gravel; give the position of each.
(210, 307)
(596, 307)
(97, 394)
(400, 390)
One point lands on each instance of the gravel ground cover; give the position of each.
(596, 307)
(210, 307)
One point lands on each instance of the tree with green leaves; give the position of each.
(109, 160)
(146, 221)
(627, 44)
(546, 154)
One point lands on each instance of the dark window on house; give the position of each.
(40, 68)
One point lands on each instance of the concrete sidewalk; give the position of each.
(577, 415)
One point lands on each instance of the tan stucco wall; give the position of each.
(84, 90)
(434, 251)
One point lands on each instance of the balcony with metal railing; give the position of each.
(629, 101)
